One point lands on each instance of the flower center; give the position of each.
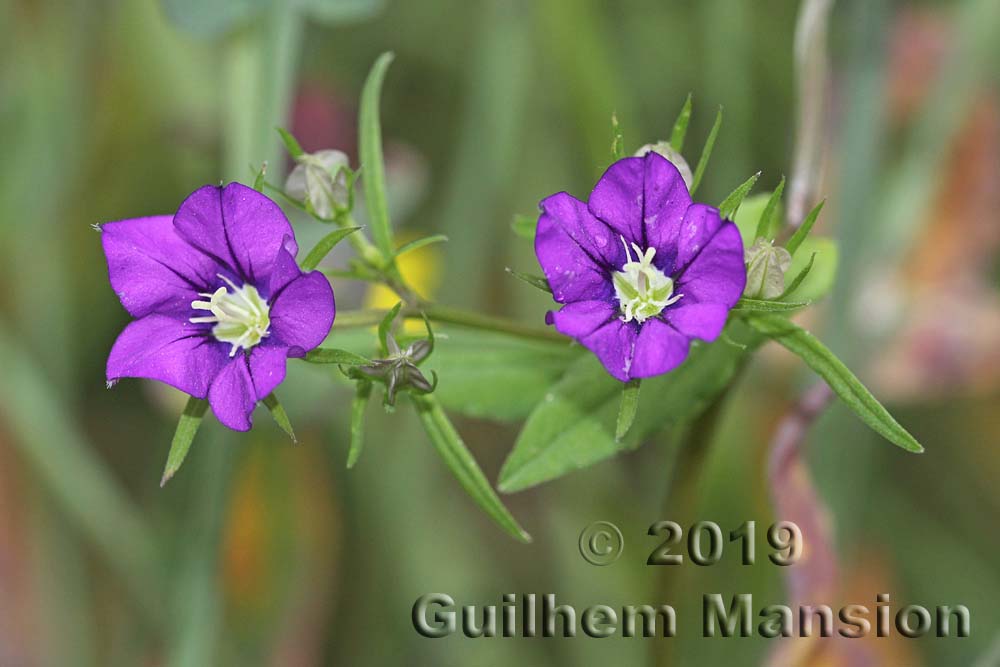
(643, 290)
(241, 316)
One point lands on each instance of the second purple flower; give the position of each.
(640, 269)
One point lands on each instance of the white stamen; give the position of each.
(241, 317)
(642, 289)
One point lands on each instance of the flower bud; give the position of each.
(766, 267)
(320, 180)
(666, 150)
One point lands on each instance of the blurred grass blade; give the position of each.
(731, 204)
(524, 226)
(803, 230)
(324, 246)
(746, 305)
(330, 355)
(358, 406)
(187, 427)
(706, 152)
(538, 282)
(766, 227)
(291, 143)
(54, 449)
(801, 276)
(630, 398)
(617, 139)
(280, 416)
(840, 379)
(459, 460)
(679, 132)
(372, 161)
(420, 243)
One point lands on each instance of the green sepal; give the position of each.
(324, 246)
(187, 427)
(358, 405)
(803, 231)
(524, 226)
(679, 132)
(420, 243)
(617, 139)
(731, 204)
(291, 143)
(277, 411)
(329, 355)
(706, 152)
(767, 225)
(745, 305)
(385, 326)
(629, 405)
(372, 160)
(538, 282)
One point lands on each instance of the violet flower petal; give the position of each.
(717, 274)
(573, 270)
(151, 268)
(302, 313)
(237, 225)
(617, 199)
(171, 350)
(232, 395)
(283, 272)
(659, 348)
(697, 320)
(582, 318)
(267, 367)
(613, 344)
(598, 240)
(700, 224)
(665, 202)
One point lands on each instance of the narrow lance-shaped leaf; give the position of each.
(277, 411)
(746, 305)
(797, 280)
(617, 140)
(630, 402)
(706, 152)
(840, 379)
(766, 227)
(803, 231)
(372, 162)
(358, 405)
(187, 427)
(538, 282)
(524, 226)
(459, 460)
(420, 243)
(329, 355)
(291, 144)
(731, 204)
(324, 246)
(679, 132)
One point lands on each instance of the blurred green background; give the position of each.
(264, 553)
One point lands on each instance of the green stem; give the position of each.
(448, 315)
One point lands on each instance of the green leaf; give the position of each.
(799, 277)
(706, 152)
(187, 426)
(325, 245)
(328, 355)
(538, 282)
(767, 225)
(574, 426)
(746, 305)
(277, 411)
(291, 143)
(372, 162)
(731, 204)
(385, 326)
(420, 243)
(840, 379)
(818, 282)
(524, 226)
(630, 395)
(617, 140)
(358, 405)
(258, 180)
(459, 460)
(681, 126)
(803, 231)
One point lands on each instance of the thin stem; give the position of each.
(448, 315)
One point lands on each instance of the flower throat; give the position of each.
(643, 290)
(241, 317)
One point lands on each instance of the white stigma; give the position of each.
(241, 317)
(643, 290)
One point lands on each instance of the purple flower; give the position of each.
(640, 268)
(218, 299)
